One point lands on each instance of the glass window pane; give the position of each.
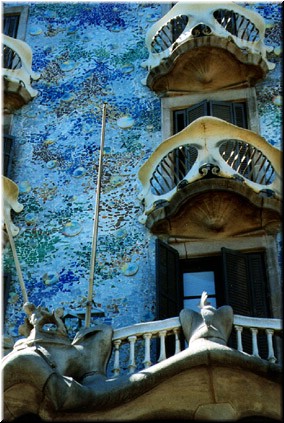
(194, 303)
(197, 282)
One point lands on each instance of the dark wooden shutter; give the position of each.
(234, 113)
(196, 111)
(236, 280)
(184, 117)
(168, 288)
(239, 115)
(179, 120)
(7, 149)
(167, 274)
(222, 110)
(246, 292)
(258, 280)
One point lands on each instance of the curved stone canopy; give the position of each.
(207, 64)
(211, 208)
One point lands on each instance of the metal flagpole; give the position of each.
(16, 260)
(95, 227)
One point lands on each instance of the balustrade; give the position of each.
(149, 331)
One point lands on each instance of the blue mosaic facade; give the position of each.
(89, 54)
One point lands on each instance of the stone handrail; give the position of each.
(204, 14)
(219, 144)
(147, 331)
(22, 75)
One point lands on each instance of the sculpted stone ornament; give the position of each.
(212, 324)
(48, 360)
(10, 202)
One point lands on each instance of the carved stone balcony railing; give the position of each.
(200, 46)
(210, 148)
(17, 73)
(145, 333)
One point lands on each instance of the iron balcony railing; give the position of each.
(233, 22)
(187, 21)
(17, 67)
(243, 158)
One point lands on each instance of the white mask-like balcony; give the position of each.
(17, 73)
(204, 47)
(216, 159)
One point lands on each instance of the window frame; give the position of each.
(23, 12)
(170, 104)
(199, 249)
(261, 249)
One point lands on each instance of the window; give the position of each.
(232, 112)
(15, 21)
(14, 25)
(229, 111)
(7, 147)
(236, 106)
(11, 24)
(198, 275)
(10, 28)
(230, 277)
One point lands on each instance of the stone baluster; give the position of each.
(271, 357)
(116, 367)
(147, 359)
(132, 364)
(254, 332)
(239, 330)
(177, 341)
(162, 335)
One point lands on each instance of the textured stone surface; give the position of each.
(205, 380)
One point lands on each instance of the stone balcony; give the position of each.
(68, 381)
(204, 47)
(17, 74)
(217, 169)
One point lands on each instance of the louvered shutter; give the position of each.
(239, 115)
(234, 113)
(258, 280)
(237, 291)
(7, 149)
(236, 276)
(222, 110)
(196, 111)
(184, 117)
(246, 290)
(167, 273)
(168, 288)
(179, 120)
